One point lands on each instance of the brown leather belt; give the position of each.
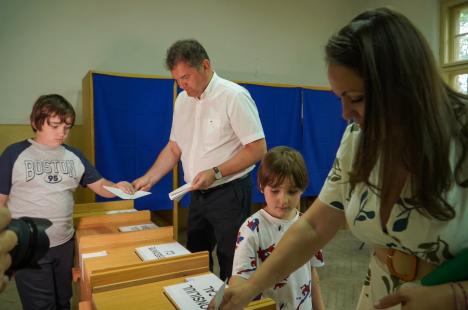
(404, 266)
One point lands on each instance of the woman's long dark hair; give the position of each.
(411, 115)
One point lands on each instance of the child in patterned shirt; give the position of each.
(282, 178)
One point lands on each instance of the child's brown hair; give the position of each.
(51, 105)
(282, 163)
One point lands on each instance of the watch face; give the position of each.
(218, 174)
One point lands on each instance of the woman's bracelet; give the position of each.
(465, 297)
(455, 299)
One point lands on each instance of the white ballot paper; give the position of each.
(158, 251)
(195, 293)
(118, 192)
(178, 193)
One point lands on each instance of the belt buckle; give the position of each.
(393, 264)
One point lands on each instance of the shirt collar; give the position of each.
(209, 89)
(43, 146)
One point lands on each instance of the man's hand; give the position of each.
(143, 183)
(203, 180)
(8, 240)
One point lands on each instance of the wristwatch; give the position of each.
(218, 174)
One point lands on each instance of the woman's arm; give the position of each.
(236, 280)
(309, 234)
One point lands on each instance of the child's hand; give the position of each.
(125, 187)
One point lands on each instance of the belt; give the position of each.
(212, 189)
(402, 265)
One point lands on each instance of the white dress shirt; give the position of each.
(212, 129)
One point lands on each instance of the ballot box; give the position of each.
(112, 223)
(100, 208)
(98, 242)
(115, 267)
(150, 296)
(112, 230)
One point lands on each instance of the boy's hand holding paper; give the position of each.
(119, 193)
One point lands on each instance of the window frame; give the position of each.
(450, 68)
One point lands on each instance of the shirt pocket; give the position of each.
(212, 131)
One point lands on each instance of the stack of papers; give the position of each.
(158, 251)
(196, 292)
(121, 211)
(178, 193)
(121, 194)
(137, 227)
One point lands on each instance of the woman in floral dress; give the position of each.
(400, 178)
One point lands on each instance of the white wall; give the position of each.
(423, 13)
(48, 46)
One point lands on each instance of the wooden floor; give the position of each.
(341, 277)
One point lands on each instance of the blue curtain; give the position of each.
(132, 122)
(323, 127)
(280, 113)
(133, 116)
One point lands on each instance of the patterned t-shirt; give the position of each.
(256, 240)
(406, 230)
(40, 181)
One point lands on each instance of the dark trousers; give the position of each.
(215, 216)
(51, 286)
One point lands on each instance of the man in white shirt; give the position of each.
(217, 134)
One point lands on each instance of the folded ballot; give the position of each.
(158, 251)
(121, 194)
(178, 193)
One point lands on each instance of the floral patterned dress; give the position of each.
(406, 230)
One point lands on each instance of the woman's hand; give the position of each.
(419, 297)
(237, 297)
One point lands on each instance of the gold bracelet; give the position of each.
(455, 299)
(465, 297)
